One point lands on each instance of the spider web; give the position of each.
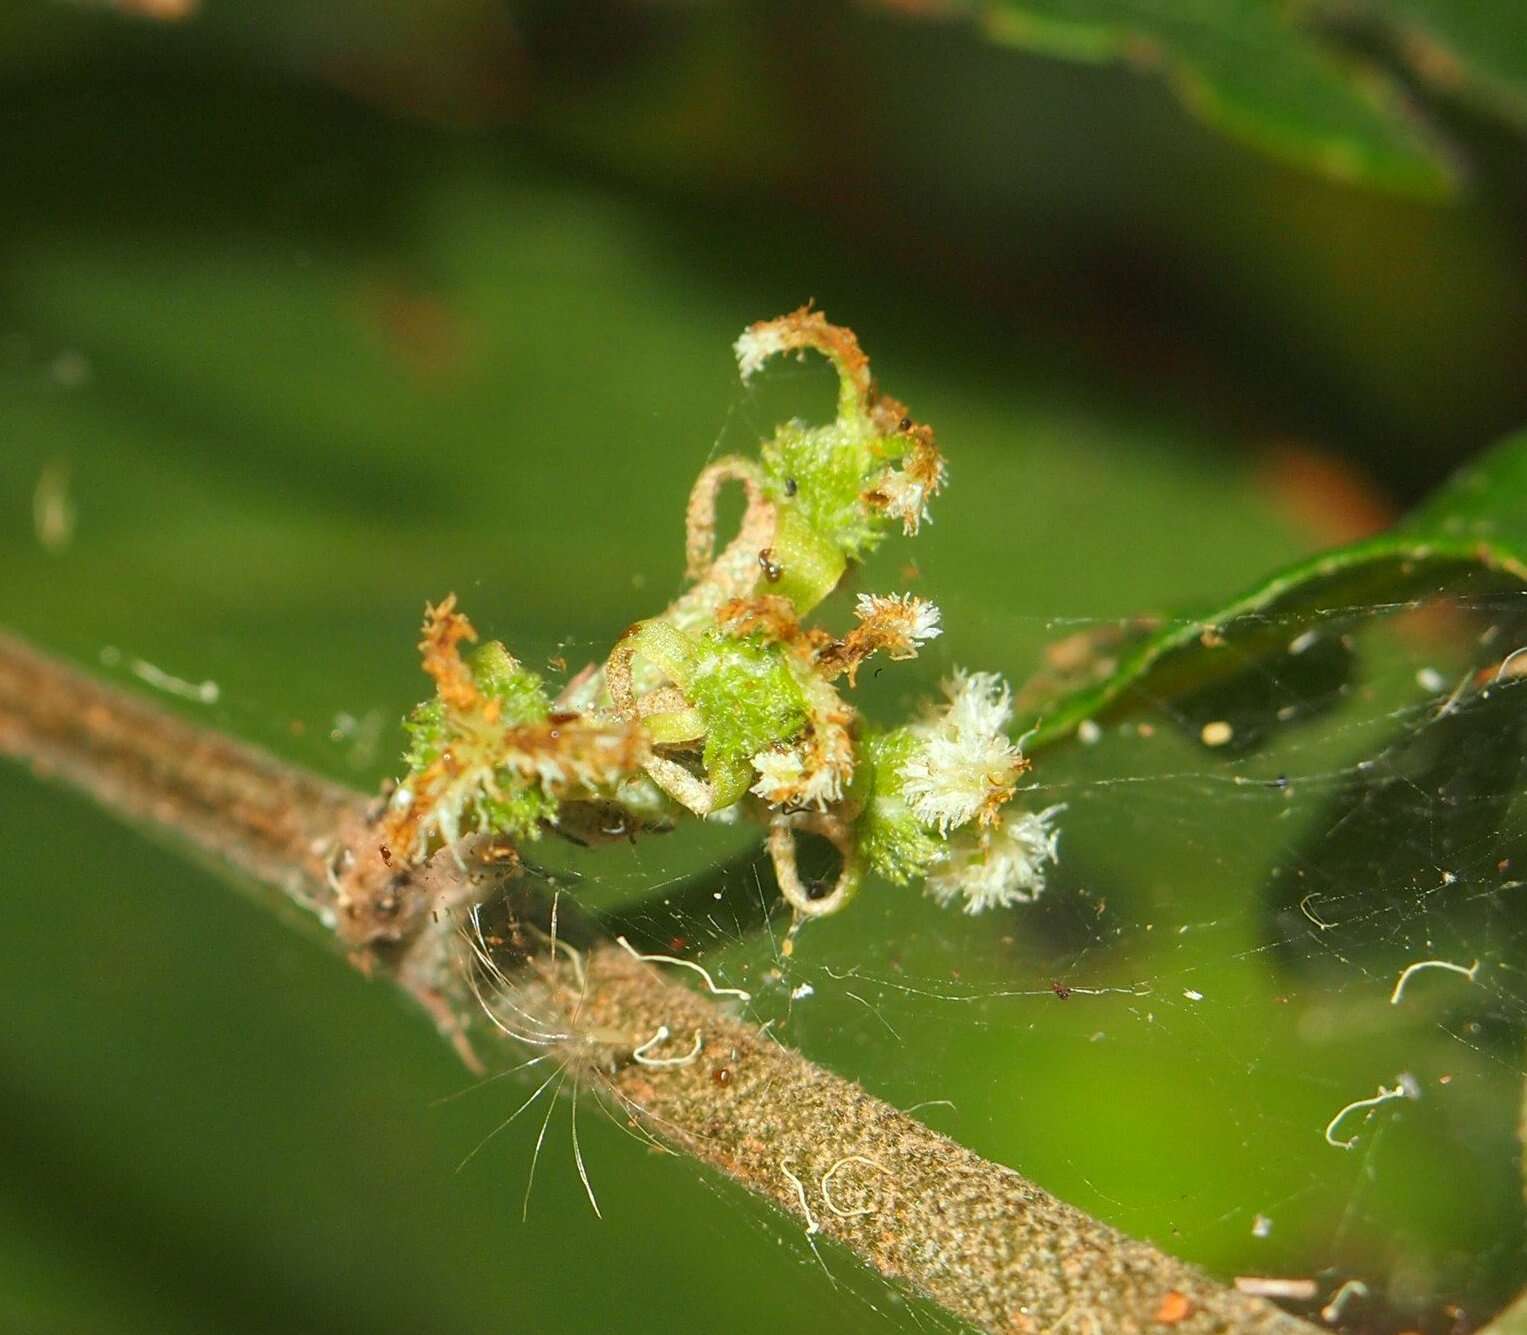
(1270, 1011)
(1197, 1033)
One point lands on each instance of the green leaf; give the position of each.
(1476, 521)
(1477, 49)
(1249, 68)
(1281, 75)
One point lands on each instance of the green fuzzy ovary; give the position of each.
(826, 469)
(518, 810)
(892, 840)
(745, 693)
(499, 676)
(426, 731)
(518, 805)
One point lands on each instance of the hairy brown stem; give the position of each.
(977, 1238)
(266, 817)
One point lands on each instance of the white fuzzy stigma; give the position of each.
(754, 347)
(913, 620)
(965, 761)
(994, 868)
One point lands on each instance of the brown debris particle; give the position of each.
(1174, 1307)
(161, 11)
(1329, 499)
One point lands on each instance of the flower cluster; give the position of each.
(727, 703)
(939, 808)
(488, 753)
(964, 766)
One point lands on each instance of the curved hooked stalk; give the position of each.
(775, 543)
(722, 786)
(736, 571)
(715, 580)
(700, 513)
(671, 652)
(782, 851)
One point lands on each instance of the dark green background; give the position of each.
(314, 345)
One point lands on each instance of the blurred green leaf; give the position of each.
(1477, 49)
(1282, 76)
(1251, 68)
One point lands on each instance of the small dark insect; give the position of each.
(791, 486)
(905, 424)
(771, 568)
(1060, 990)
(722, 1075)
(386, 854)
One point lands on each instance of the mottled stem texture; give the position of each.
(471, 936)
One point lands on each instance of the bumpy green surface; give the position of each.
(519, 810)
(825, 469)
(500, 676)
(520, 804)
(746, 694)
(896, 845)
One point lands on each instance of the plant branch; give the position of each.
(269, 819)
(973, 1236)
